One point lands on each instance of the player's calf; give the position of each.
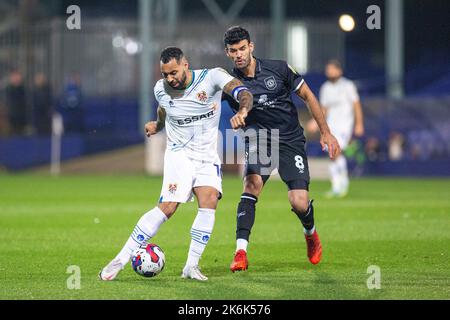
(253, 184)
(245, 216)
(303, 209)
(313, 244)
(146, 228)
(306, 217)
(168, 208)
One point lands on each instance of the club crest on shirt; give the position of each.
(172, 187)
(202, 96)
(270, 83)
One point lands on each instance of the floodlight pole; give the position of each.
(278, 14)
(146, 62)
(172, 18)
(394, 41)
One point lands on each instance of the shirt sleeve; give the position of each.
(294, 79)
(158, 92)
(220, 78)
(353, 93)
(322, 97)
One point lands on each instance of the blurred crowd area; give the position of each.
(399, 132)
(30, 112)
(91, 78)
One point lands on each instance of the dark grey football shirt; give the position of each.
(273, 108)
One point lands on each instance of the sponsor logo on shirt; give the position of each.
(195, 118)
(264, 101)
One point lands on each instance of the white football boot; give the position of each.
(111, 271)
(193, 272)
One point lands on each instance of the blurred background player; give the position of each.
(341, 105)
(271, 83)
(189, 108)
(17, 104)
(42, 104)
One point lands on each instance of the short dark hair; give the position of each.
(335, 62)
(234, 35)
(170, 53)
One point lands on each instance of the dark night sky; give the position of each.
(427, 30)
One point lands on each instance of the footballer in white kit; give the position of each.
(340, 101)
(189, 109)
(192, 121)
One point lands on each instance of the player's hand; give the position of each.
(238, 120)
(151, 128)
(359, 131)
(328, 141)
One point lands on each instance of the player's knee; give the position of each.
(207, 197)
(168, 208)
(210, 200)
(253, 185)
(299, 203)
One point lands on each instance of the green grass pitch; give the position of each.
(400, 225)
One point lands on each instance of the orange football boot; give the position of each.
(240, 262)
(314, 248)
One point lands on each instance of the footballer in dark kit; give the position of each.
(273, 123)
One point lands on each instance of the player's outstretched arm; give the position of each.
(326, 138)
(239, 92)
(359, 119)
(153, 127)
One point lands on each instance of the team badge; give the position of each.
(202, 96)
(270, 83)
(171, 104)
(172, 187)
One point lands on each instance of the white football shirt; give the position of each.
(338, 98)
(193, 114)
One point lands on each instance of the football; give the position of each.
(148, 260)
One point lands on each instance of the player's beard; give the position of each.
(243, 63)
(180, 84)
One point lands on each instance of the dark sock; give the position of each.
(245, 216)
(306, 218)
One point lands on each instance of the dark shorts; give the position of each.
(291, 162)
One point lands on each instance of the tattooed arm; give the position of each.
(239, 92)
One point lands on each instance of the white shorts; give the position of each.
(182, 174)
(343, 137)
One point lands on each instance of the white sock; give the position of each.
(309, 232)
(241, 244)
(341, 162)
(146, 228)
(335, 176)
(200, 234)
